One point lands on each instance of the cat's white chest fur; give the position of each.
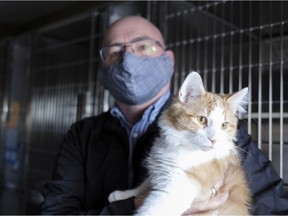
(184, 158)
(168, 167)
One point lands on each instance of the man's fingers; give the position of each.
(218, 201)
(218, 185)
(208, 205)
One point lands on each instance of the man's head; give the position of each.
(136, 66)
(126, 29)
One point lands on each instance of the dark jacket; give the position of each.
(93, 162)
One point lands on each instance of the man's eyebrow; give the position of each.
(133, 40)
(140, 38)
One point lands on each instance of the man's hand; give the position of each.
(212, 202)
(208, 204)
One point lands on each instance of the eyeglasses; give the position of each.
(143, 47)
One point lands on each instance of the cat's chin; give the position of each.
(206, 148)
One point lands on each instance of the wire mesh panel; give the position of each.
(3, 99)
(63, 88)
(3, 65)
(234, 44)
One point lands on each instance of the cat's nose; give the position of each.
(213, 141)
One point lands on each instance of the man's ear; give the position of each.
(171, 55)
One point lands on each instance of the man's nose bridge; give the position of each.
(128, 47)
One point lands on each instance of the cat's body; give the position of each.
(195, 151)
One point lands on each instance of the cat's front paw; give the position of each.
(117, 195)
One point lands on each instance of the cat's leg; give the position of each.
(121, 195)
(174, 199)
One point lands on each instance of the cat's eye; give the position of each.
(225, 125)
(202, 120)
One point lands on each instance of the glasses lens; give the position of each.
(147, 47)
(111, 54)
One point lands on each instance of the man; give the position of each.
(105, 153)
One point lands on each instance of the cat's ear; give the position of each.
(191, 87)
(239, 100)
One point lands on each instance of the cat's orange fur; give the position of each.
(231, 172)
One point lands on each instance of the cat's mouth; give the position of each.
(206, 147)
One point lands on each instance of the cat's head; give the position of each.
(202, 119)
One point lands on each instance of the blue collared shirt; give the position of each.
(135, 131)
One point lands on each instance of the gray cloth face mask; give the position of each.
(135, 80)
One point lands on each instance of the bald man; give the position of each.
(105, 153)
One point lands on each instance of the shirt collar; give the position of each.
(149, 114)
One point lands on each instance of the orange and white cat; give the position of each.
(195, 151)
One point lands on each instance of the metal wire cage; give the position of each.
(3, 101)
(63, 89)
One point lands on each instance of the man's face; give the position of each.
(138, 47)
(133, 34)
(125, 33)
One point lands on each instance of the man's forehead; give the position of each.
(127, 33)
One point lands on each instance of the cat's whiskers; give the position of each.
(238, 148)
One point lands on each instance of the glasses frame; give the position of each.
(124, 45)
